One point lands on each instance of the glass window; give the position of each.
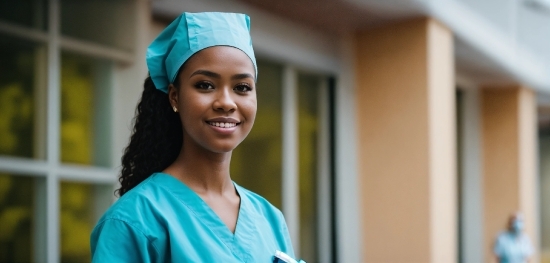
(19, 217)
(544, 166)
(257, 162)
(308, 125)
(85, 108)
(21, 64)
(109, 23)
(85, 129)
(81, 206)
(29, 13)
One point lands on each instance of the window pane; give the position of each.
(30, 13)
(81, 206)
(21, 65)
(85, 108)
(19, 218)
(544, 166)
(308, 119)
(105, 22)
(257, 162)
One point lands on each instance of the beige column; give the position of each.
(407, 142)
(509, 161)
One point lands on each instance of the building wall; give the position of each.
(406, 98)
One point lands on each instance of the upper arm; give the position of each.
(117, 241)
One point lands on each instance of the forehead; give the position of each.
(220, 58)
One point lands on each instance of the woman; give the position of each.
(178, 203)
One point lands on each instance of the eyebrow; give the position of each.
(216, 75)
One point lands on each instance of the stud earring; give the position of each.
(175, 109)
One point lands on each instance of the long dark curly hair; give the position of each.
(156, 138)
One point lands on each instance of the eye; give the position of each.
(242, 88)
(204, 85)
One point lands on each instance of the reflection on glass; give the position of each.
(109, 23)
(29, 13)
(17, 78)
(84, 110)
(17, 218)
(308, 118)
(81, 206)
(257, 162)
(544, 166)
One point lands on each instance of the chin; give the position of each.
(224, 148)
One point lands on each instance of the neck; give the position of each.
(203, 171)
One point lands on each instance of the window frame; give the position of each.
(290, 163)
(48, 169)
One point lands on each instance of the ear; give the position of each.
(173, 95)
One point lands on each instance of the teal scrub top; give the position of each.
(513, 248)
(163, 220)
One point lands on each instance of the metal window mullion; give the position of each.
(23, 32)
(40, 87)
(290, 180)
(23, 166)
(88, 174)
(96, 50)
(53, 132)
(324, 240)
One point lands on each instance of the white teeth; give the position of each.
(223, 124)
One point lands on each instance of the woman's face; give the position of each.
(216, 99)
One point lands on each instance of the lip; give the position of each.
(223, 131)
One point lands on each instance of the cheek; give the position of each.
(191, 111)
(250, 109)
(193, 103)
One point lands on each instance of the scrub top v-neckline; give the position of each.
(237, 242)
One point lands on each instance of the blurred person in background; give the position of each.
(513, 245)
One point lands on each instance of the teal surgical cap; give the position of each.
(191, 33)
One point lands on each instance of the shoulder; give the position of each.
(136, 205)
(130, 223)
(133, 242)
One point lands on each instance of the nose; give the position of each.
(224, 101)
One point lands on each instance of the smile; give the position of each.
(223, 124)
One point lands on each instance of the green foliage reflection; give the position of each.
(257, 162)
(76, 110)
(16, 218)
(16, 99)
(308, 118)
(16, 140)
(76, 221)
(77, 83)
